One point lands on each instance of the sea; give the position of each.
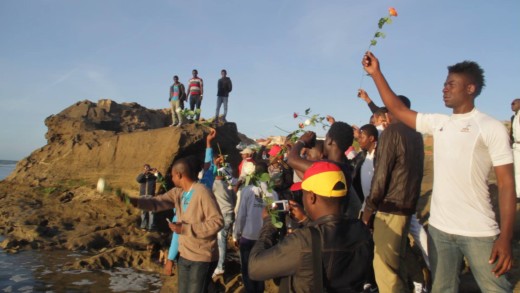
(43, 271)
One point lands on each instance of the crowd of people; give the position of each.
(313, 219)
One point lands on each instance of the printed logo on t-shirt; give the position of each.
(466, 129)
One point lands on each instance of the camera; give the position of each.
(280, 205)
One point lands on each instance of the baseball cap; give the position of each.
(275, 150)
(247, 151)
(325, 179)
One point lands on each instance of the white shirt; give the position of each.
(367, 172)
(466, 146)
(249, 215)
(515, 126)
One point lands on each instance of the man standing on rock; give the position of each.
(147, 181)
(177, 97)
(462, 220)
(224, 87)
(195, 92)
(198, 222)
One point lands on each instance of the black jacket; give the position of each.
(224, 87)
(146, 183)
(347, 253)
(398, 173)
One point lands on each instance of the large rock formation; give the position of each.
(90, 140)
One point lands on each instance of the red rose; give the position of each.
(295, 115)
(301, 125)
(392, 11)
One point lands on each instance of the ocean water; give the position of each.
(6, 169)
(42, 271)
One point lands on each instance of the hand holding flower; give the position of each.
(370, 63)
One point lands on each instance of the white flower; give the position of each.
(178, 110)
(307, 122)
(248, 168)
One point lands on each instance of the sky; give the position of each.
(283, 56)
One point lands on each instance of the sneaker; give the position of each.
(217, 272)
(419, 288)
(368, 288)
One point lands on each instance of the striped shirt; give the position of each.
(195, 86)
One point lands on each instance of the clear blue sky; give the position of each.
(283, 57)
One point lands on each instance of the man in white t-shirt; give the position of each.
(462, 221)
(515, 140)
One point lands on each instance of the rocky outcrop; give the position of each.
(90, 140)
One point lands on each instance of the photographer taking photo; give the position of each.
(147, 181)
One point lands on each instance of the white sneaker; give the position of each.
(217, 273)
(419, 288)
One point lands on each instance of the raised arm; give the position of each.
(390, 99)
(362, 94)
(294, 159)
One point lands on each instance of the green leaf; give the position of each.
(388, 20)
(275, 221)
(377, 35)
(382, 22)
(264, 177)
(307, 111)
(248, 178)
(373, 43)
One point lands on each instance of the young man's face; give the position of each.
(194, 73)
(365, 140)
(457, 90)
(515, 105)
(175, 177)
(175, 80)
(223, 73)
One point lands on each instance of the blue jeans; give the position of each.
(245, 249)
(195, 101)
(220, 101)
(446, 252)
(147, 218)
(229, 218)
(194, 276)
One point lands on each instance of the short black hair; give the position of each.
(471, 70)
(381, 112)
(260, 167)
(405, 101)
(370, 130)
(195, 70)
(342, 134)
(175, 76)
(223, 70)
(189, 166)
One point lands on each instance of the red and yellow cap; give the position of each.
(325, 179)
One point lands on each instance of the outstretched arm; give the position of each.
(390, 99)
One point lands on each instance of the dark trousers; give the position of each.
(194, 276)
(245, 249)
(195, 101)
